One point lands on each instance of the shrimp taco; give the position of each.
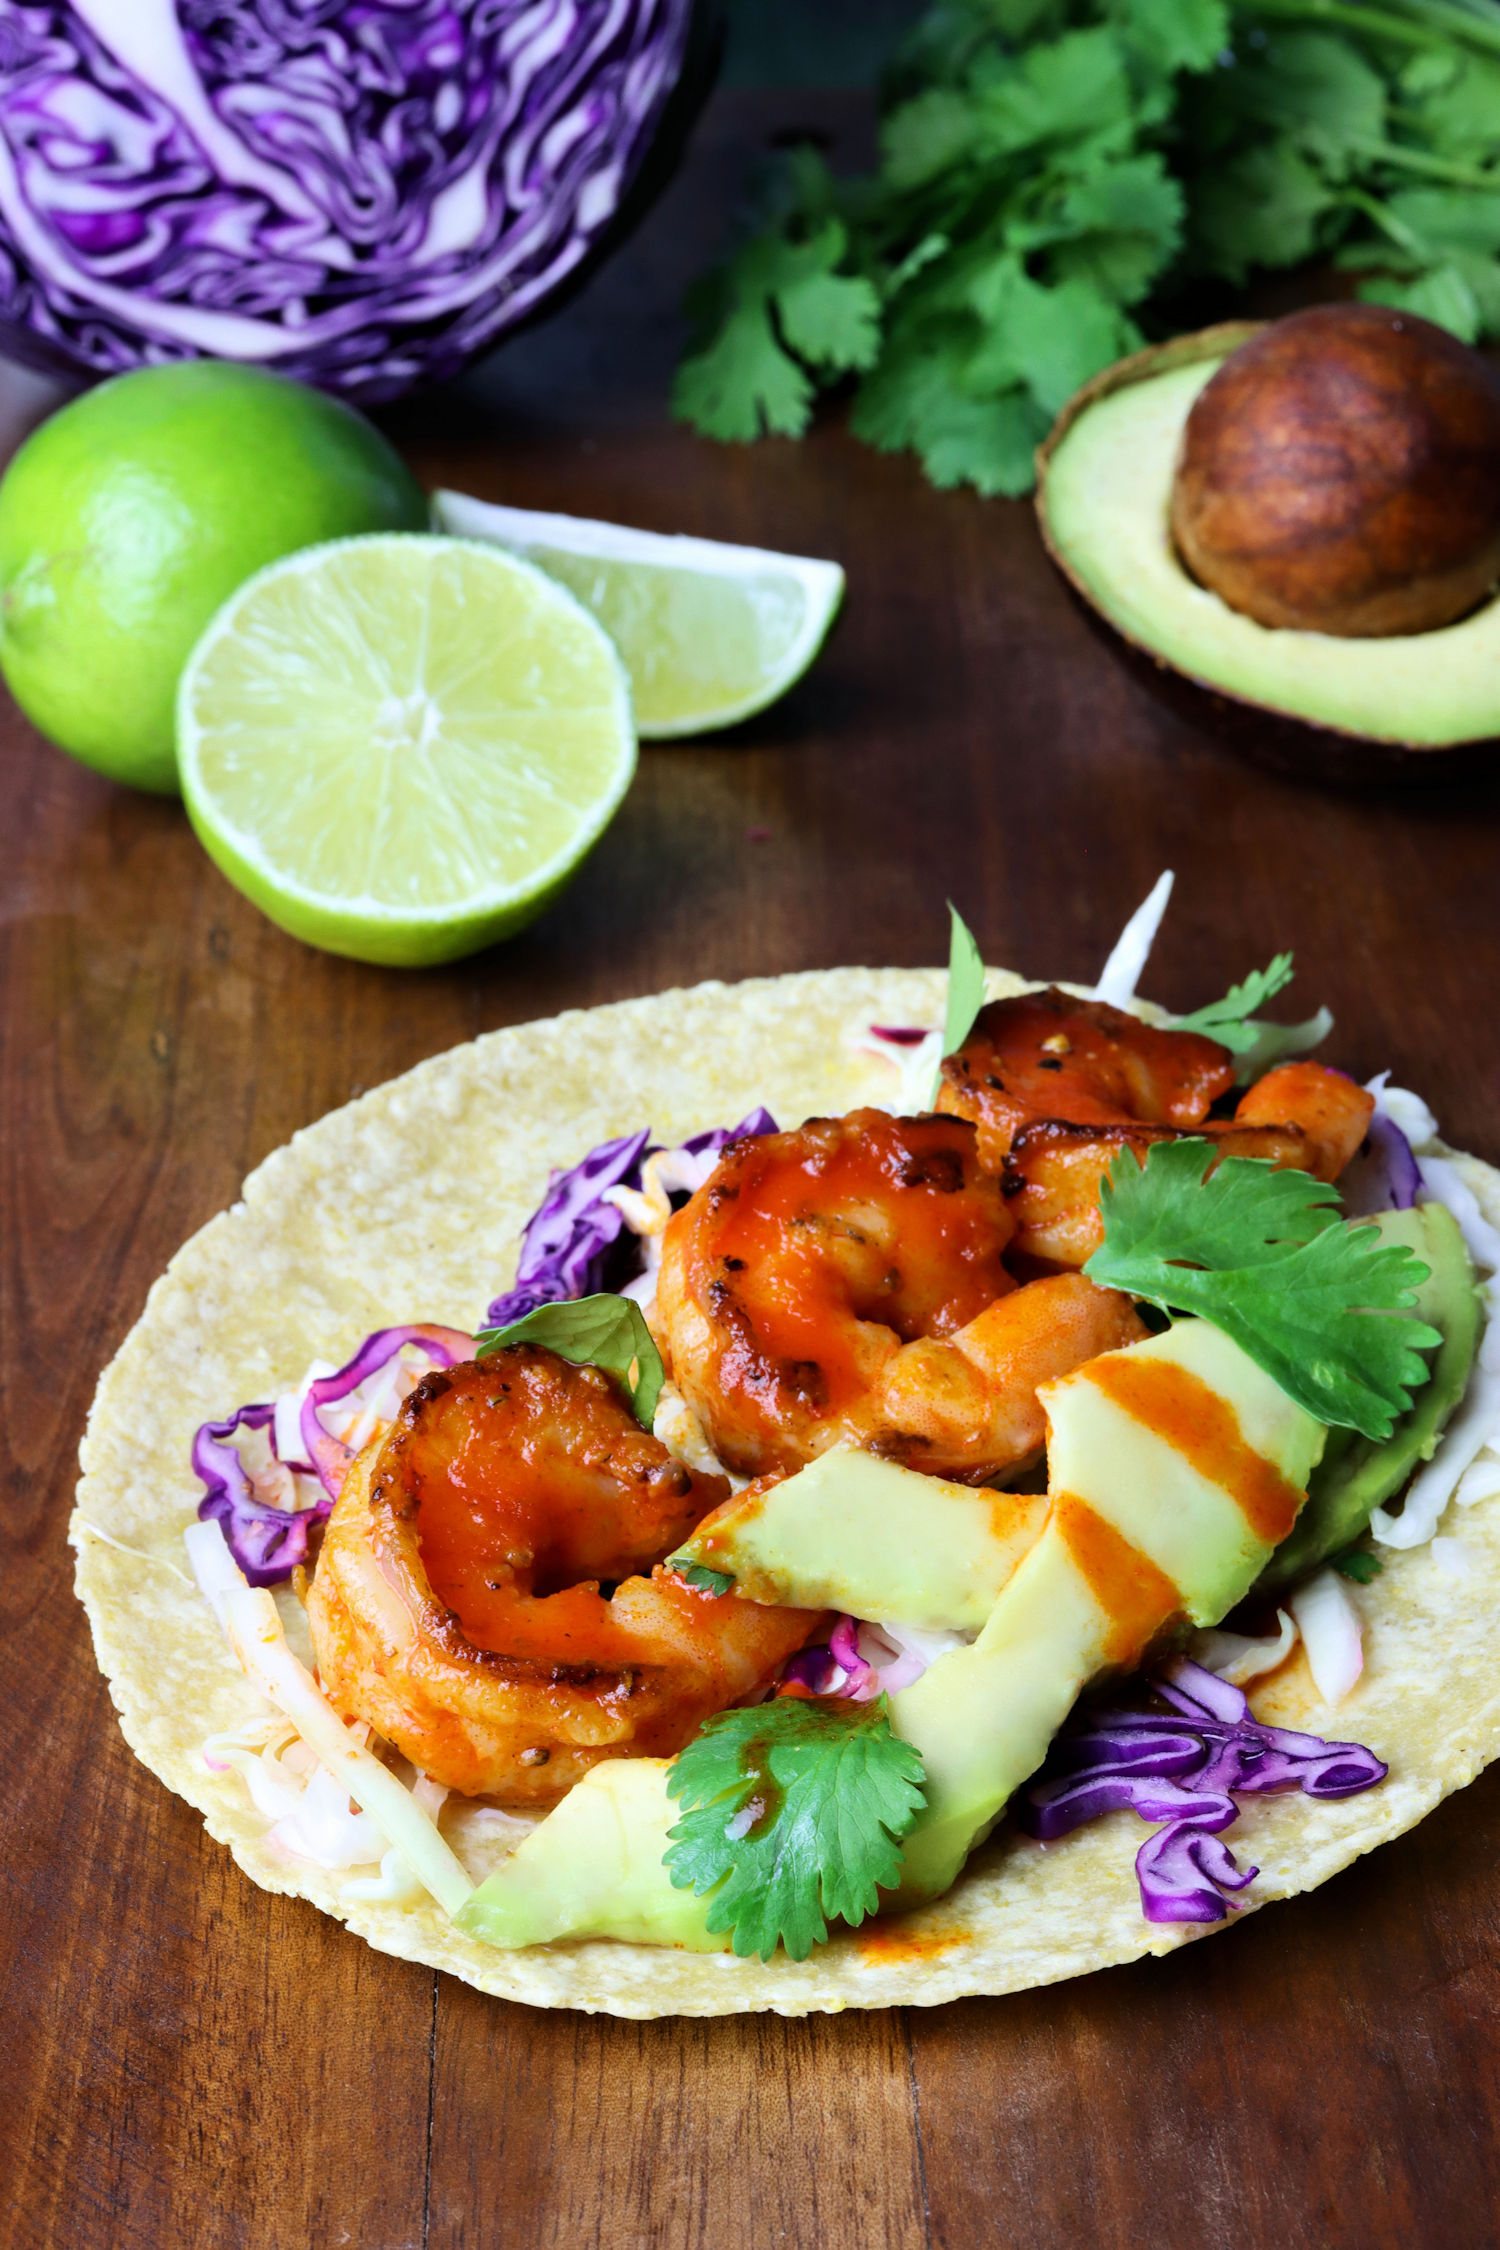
(747, 1499)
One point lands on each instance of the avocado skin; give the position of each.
(1357, 1475)
(1294, 701)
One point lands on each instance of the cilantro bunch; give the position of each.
(1056, 174)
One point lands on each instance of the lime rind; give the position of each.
(542, 736)
(784, 609)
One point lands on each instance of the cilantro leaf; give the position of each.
(1261, 209)
(743, 384)
(1117, 228)
(1174, 34)
(1225, 1020)
(1323, 1308)
(779, 301)
(832, 319)
(601, 1331)
(965, 989)
(1232, 1023)
(699, 1575)
(793, 1813)
(1359, 1564)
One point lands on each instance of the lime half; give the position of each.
(401, 747)
(710, 633)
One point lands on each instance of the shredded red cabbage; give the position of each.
(356, 192)
(1184, 1768)
(328, 1456)
(1383, 1174)
(835, 1667)
(567, 1245)
(899, 1035)
(564, 1251)
(268, 1543)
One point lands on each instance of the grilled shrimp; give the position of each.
(1300, 1116)
(845, 1283)
(1048, 1054)
(489, 1595)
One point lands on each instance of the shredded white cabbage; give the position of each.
(1238, 1657)
(1332, 1639)
(900, 1654)
(397, 1819)
(914, 1068)
(1123, 970)
(1407, 1111)
(678, 1428)
(1472, 1438)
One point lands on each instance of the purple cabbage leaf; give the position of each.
(569, 1243)
(268, 1542)
(360, 193)
(1383, 1174)
(1184, 1768)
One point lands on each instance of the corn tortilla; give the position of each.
(408, 1205)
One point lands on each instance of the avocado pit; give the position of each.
(1340, 474)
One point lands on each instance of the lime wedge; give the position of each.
(710, 634)
(400, 747)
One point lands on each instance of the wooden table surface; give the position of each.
(185, 2060)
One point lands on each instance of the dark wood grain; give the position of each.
(186, 2060)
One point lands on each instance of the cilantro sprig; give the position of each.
(793, 1814)
(1256, 1046)
(1226, 1020)
(1055, 174)
(601, 1331)
(1324, 1308)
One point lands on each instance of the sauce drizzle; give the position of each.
(1203, 1427)
(1138, 1598)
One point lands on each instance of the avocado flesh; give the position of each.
(1104, 510)
(1357, 1475)
(983, 1716)
(593, 1868)
(855, 1533)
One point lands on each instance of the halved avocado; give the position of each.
(1104, 483)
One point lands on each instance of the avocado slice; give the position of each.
(1104, 489)
(856, 1533)
(593, 1868)
(1357, 1475)
(1148, 1525)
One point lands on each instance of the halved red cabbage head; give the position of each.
(360, 193)
(1184, 1767)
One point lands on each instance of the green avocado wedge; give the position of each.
(1141, 1536)
(855, 1533)
(593, 1868)
(1358, 1475)
(1103, 492)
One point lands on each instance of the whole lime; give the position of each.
(131, 515)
